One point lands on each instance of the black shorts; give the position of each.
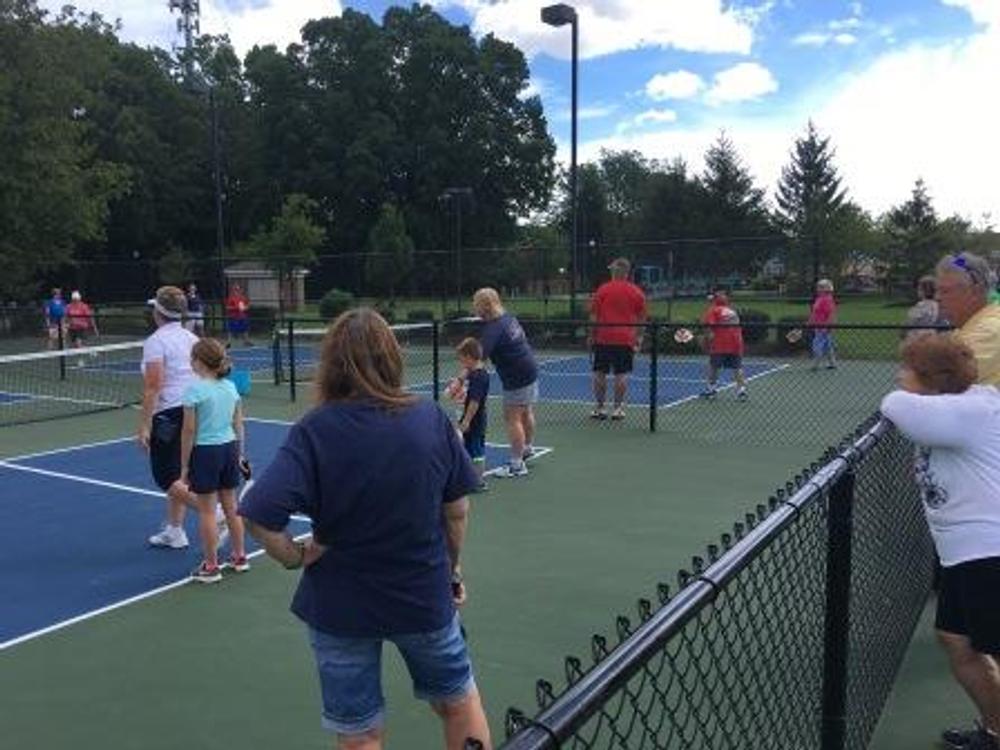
(77, 334)
(165, 446)
(616, 358)
(726, 361)
(968, 604)
(214, 468)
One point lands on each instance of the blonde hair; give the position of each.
(360, 358)
(212, 354)
(486, 303)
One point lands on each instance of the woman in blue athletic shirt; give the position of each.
(506, 345)
(383, 477)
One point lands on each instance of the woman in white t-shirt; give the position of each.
(166, 374)
(956, 426)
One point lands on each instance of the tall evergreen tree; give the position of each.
(916, 238)
(810, 197)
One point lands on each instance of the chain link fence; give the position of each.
(787, 634)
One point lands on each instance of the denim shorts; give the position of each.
(350, 674)
(822, 344)
(521, 396)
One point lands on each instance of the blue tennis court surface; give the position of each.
(74, 524)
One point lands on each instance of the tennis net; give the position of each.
(297, 344)
(51, 385)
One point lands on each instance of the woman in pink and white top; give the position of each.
(823, 312)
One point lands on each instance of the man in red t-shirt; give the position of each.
(725, 345)
(621, 302)
(237, 316)
(81, 322)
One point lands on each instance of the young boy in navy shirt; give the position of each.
(472, 423)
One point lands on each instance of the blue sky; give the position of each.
(905, 88)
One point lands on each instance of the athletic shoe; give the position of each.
(598, 414)
(512, 470)
(708, 393)
(618, 414)
(529, 452)
(480, 488)
(173, 537)
(831, 367)
(977, 738)
(205, 574)
(239, 564)
(742, 395)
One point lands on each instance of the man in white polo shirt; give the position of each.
(166, 373)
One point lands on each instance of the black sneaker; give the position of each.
(977, 738)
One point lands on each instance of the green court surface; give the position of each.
(549, 560)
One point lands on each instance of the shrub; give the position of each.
(755, 325)
(335, 302)
(387, 309)
(421, 315)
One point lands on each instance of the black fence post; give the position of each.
(276, 363)
(62, 346)
(838, 613)
(292, 375)
(436, 359)
(654, 375)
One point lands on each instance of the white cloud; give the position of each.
(681, 84)
(643, 119)
(591, 112)
(921, 111)
(844, 23)
(811, 39)
(986, 12)
(609, 26)
(150, 22)
(845, 39)
(741, 82)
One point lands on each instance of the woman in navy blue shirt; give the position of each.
(383, 477)
(505, 343)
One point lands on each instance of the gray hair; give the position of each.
(975, 268)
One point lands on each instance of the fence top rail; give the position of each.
(579, 702)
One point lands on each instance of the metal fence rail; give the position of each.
(787, 635)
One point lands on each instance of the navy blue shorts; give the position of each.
(475, 445)
(165, 446)
(967, 603)
(615, 358)
(213, 468)
(239, 325)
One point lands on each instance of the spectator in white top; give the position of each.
(166, 374)
(956, 426)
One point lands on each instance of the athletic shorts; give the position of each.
(822, 343)
(475, 445)
(239, 325)
(616, 358)
(77, 334)
(165, 446)
(968, 604)
(214, 468)
(525, 396)
(726, 361)
(350, 674)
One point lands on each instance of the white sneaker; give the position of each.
(618, 414)
(512, 469)
(171, 536)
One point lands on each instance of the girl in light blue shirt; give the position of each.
(211, 447)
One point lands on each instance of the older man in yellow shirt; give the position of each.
(964, 282)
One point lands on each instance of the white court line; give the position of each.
(82, 480)
(539, 452)
(71, 448)
(111, 607)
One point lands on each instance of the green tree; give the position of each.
(915, 238)
(289, 241)
(390, 252)
(810, 197)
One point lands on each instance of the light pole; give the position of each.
(560, 15)
(455, 196)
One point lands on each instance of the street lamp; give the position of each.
(560, 15)
(455, 196)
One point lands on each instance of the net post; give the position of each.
(62, 347)
(292, 375)
(654, 374)
(276, 353)
(838, 612)
(436, 359)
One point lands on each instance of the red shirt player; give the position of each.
(81, 319)
(237, 313)
(725, 345)
(617, 307)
